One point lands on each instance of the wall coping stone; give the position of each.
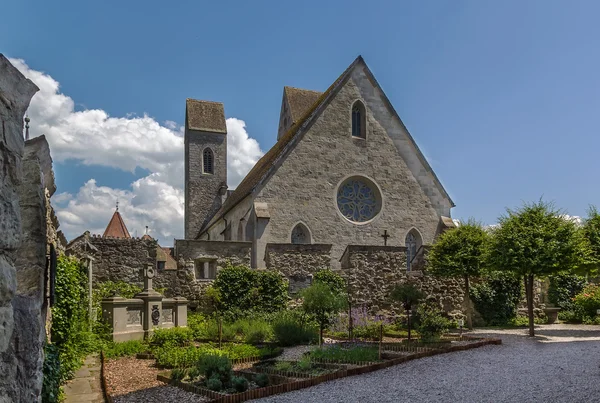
(371, 249)
(291, 247)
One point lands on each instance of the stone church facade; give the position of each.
(344, 171)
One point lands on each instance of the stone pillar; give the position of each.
(181, 305)
(152, 303)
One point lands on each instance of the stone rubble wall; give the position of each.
(19, 320)
(115, 259)
(372, 271)
(183, 282)
(298, 263)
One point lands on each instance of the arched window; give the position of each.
(208, 161)
(412, 243)
(358, 120)
(300, 234)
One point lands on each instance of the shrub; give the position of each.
(51, 391)
(587, 302)
(178, 374)
(497, 297)
(431, 324)
(70, 319)
(243, 290)
(272, 291)
(211, 331)
(563, 288)
(193, 373)
(290, 330)
(176, 336)
(216, 366)
(214, 384)
(364, 324)
(256, 331)
(262, 380)
(239, 383)
(124, 349)
(331, 279)
(283, 366)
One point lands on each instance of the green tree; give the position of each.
(591, 231)
(322, 302)
(409, 296)
(536, 240)
(460, 252)
(332, 279)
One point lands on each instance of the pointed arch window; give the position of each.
(412, 243)
(208, 161)
(358, 120)
(300, 234)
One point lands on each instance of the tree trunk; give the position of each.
(469, 308)
(320, 335)
(529, 292)
(408, 316)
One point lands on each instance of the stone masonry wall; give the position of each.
(115, 259)
(297, 262)
(15, 94)
(183, 282)
(372, 271)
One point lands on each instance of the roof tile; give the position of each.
(205, 116)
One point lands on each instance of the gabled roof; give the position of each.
(206, 116)
(300, 101)
(116, 227)
(263, 167)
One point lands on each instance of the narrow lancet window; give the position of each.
(358, 120)
(208, 161)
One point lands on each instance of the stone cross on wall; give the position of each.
(385, 237)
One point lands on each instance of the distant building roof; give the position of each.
(116, 227)
(205, 116)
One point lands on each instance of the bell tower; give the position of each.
(205, 142)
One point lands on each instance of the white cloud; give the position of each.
(95, 138)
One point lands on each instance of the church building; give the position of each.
(344, 171)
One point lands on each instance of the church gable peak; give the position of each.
(294, 104)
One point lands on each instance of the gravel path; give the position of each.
(560, 365)
(134, 381)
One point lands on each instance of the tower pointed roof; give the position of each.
(116, 227)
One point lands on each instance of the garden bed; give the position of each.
(346, 366)
(295, 369)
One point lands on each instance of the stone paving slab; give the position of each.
(86, 387)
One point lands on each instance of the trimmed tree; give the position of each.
(460, 252)
(409, 296)
(322, 302)
(537, 240)
(591, 231)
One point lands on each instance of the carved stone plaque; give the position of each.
(134, 316)
(155, 315)
(167, 315)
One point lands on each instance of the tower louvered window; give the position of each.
(208, 161)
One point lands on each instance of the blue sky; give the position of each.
(502, 97)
